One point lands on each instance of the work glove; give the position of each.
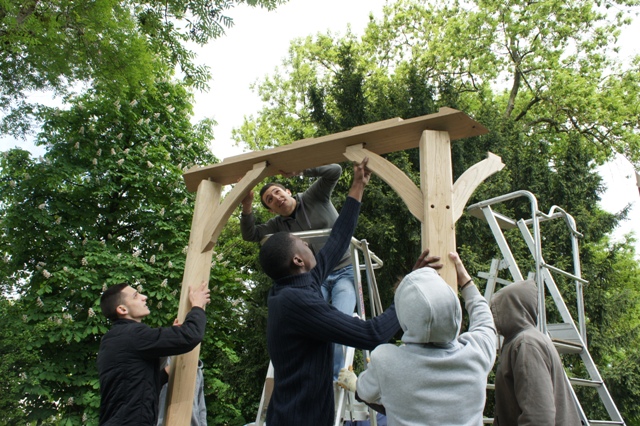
(347, 379)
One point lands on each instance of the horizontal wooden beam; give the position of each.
(380, 138)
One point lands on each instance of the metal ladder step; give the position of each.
(585, 382)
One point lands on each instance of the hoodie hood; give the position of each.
(427, 308)
(515, 308)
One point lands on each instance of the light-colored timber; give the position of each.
(437, 203)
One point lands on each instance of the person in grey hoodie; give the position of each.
(438, 376)
(531, 388)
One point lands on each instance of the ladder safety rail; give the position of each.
(537, 249)
(569, 337)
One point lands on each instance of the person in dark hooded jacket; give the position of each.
(129, 358)
(531, 387)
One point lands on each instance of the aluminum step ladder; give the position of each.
(363, 260)
(569, 337)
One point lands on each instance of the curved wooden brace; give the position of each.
(393, 176)
(470, 179)
(222, 211)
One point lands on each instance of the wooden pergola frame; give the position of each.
(438, 203)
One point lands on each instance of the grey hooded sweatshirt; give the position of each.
(438, 376)
(531, 388)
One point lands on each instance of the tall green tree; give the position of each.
(566, 108)
(114, 44)
(106, 204)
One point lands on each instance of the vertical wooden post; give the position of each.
(197, 269)
(436, 181)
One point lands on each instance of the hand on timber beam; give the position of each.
(361, 176)
(462, 276)
(200, 296)
(424, 260)
(289, 174)
(247, 203)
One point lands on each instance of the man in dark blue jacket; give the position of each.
(129, 357)
(302, 326)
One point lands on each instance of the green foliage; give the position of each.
(112, 44)
(106, 204)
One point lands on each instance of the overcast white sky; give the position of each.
(258, 42)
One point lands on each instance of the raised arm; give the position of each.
(342, 231)
(481, 325)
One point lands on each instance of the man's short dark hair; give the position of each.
(111, 299)
(276, 255)
(264, 189)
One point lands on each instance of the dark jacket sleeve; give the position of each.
(252, 232)
(338, 241)
(321, 189)
(175, 340)
(315, 317)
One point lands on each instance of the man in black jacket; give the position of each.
(130, 352)
(301, 325)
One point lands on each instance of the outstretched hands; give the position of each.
(247, 202)
(199, 296)
(462, 275)
(424, 260)
(361, 176)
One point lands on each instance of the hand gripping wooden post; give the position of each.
(437, 204)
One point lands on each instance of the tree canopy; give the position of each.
(113, 45)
